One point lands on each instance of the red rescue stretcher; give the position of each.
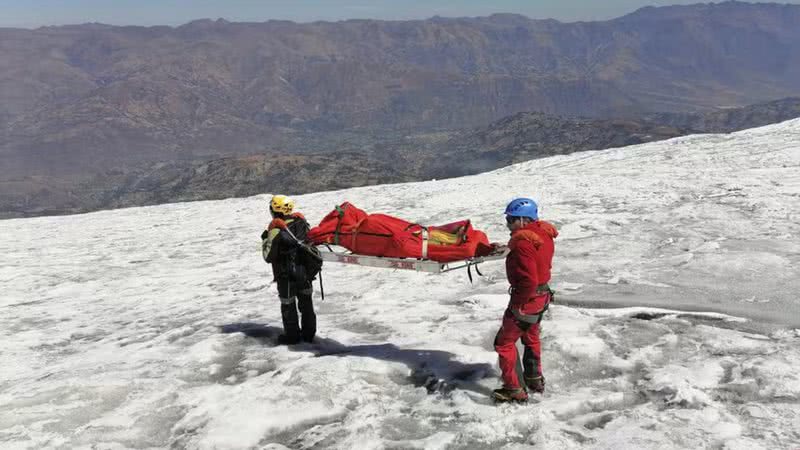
(379, 240)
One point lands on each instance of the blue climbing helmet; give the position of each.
(523, 207)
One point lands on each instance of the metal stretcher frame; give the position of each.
(420, 265)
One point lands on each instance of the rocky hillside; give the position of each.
(97, 96)
(151, 184)
(527, 136)
(732, 119)
(366, 159)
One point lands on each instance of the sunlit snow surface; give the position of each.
(155, 327)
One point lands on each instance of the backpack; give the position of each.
(310, 258)
(305, 255)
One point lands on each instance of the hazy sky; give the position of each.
(34, 13)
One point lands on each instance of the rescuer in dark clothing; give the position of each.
(281, 247)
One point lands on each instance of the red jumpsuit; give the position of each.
(528, 270)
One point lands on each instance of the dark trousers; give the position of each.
(296, 296)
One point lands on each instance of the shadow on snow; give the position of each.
(435, 370)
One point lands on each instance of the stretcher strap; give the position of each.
(338, 225)
(423, 233)
(469, 270)
(424, 243)
(355, 235)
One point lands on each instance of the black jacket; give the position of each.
(281, 249)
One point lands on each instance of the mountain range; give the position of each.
(78, 103)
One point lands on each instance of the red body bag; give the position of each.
(382, 235)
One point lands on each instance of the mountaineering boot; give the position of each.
(288, 340)
(535, 384)
(510, 395)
